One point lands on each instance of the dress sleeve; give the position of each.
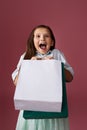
(58, 55)
(15, 72)
(66, 64)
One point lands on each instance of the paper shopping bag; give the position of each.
(39, 86)
(46, 115)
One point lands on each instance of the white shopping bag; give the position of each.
(39, 86)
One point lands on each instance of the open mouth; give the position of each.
(42, 46)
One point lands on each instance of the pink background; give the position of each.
(68, 20)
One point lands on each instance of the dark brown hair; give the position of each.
(31, 50)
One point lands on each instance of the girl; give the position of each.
(41, 46)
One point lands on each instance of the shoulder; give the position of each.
(22, 56)
(56, 51)
(57, 54)
(21, 59)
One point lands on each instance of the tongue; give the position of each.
(43, 47)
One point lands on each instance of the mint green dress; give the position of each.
(43, 124)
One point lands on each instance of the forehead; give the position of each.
(41, 30)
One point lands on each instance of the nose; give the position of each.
(42, 37)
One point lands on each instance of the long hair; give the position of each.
(31, 50)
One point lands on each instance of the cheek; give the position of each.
(35, 41)
(36, 45)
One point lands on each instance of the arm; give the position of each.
(16, 79)
(68, 76)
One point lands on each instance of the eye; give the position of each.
(37, 36)
(47, 35)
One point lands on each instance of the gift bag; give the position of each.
(39, 86)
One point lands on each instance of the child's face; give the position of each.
(42, 40)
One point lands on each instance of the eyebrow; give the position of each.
(43, 33)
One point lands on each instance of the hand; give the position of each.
(35, 58)
(44, 58)
(47, 58)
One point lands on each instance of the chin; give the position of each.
(43, 52)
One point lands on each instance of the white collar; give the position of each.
(43, 55)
